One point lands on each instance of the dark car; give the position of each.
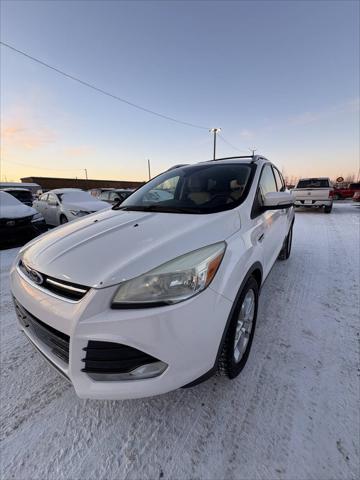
(18, 220)
(115, 196)
(21, 194)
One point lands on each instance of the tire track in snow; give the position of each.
(292, 414)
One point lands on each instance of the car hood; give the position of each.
(90, 206)
(16, 211)
(111, 246)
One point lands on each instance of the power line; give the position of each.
(100, 90)
(228, 143)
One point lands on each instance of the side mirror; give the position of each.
(278, 200)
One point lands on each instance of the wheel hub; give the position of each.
(244, 325)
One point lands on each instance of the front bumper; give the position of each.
(10, 233)
(185, 336)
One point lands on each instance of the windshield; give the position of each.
(206, 188)
(313, 183)
(74, 196)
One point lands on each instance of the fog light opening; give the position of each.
(143, 372)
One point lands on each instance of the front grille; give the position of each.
(16, 222)
(68, 290)
(58, 342)
(108, 357)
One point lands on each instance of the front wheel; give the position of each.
(286, 249)
(240, 334)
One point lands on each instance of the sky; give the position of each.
(279, 76)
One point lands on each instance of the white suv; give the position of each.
(159, 292)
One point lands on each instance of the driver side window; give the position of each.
(279, 180)
(266, 185)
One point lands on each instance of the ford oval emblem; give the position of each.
(36, 277)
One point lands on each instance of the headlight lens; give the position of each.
(37, 217)
(173, 281)
(79, 213)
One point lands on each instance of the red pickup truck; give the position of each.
(346, 192)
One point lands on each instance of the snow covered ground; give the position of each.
(292, 414)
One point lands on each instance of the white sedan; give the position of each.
(63, 205)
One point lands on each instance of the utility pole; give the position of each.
(149, 170)
(215, 131)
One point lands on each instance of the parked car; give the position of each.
(22, 194)
(156, 294)
(40, 192)
(33, 187)
(356, 197)
(314, 192)
(347, 191)
(159, 194)
(114, 196)
(96, 192)
(18, 220)
(66, 204)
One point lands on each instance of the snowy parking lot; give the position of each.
(293, 413)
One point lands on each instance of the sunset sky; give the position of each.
(280, 76)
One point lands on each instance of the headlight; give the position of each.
(173, 281)
(37, 218)
(78, 213)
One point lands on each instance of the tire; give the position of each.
(328, 209)
(63, 220)
(286, 249)
(234, 357)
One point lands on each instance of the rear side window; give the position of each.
(313, 183)
(279, 180)
(52, 200)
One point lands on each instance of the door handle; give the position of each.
(261, 238)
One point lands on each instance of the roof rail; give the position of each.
(254, 158)
(230, 158)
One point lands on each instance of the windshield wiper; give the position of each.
(157, 208)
